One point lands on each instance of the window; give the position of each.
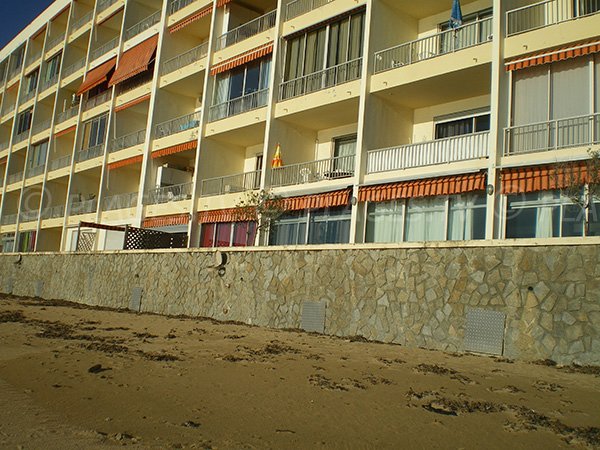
(24, 121)
(344, 149)
(319, 226)
(94, 132)
(465, 125)
(31, 81)
(585, 7)
(52, 68)
(17, 59)
(26, 241)
(456, 217)
(7, 243)
(37, 155)
(228, 234)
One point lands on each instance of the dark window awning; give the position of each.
(97, 76)
(135, 60)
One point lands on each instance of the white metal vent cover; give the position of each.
(484, 331)
(313, 317)
(39, 288)
(135, 303)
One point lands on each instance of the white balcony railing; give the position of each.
(449, 41)
(41, 126)
(120, 201)
(127, 140)
(72, 68)
(90, 153)
(183, 123)
(35, 171)
(298, 7)
(59, 163)
(68, 114)
(440, 151)
(83, 207)
(324, 79)
(26, 96)
(105, 4)
(176, 5)
(47, 84)
(29, 216)
(83, 20)
(240, 182)
(21, 137)
(247, 30)
(10, 107)
(14, 178)
(97, 100)
(549, 12)
(167, 194)
(239, 105)
(9, 219)
(104, 48)
(185, 59)
(53, 212)
(143, 25)
(4, 145)
(552, 135)
(55, 41)
(313, 171)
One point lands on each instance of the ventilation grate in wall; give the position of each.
(484, 331)
(313, 317)
(135, 303)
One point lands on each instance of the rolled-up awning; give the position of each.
(133, 102)
(317, 201)
(224, 215)
(166, 221)
(65, 131)
(125, 162)
(522, 180)
(191, 19)
(222, 3)
(97, 76)
(135, 60)
(552, 55)
(191, 145)
(244, 58)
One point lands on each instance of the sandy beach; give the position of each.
(78, 377)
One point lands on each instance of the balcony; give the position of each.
(55, 41)
(29, 216)
(9, 109)
(26, 96)
(241, 182)
(440, 151)
(53, 212)
(143, 25)
(127, 141)
(549, 12)
(239, 105)
(450, 41)
(21, 137)
(35, 171)
(14, 178)
(176, 5)
(121, 201)
(33, 57)
(83, 207)
(9, 219)
(104, 5)
(298, 7)
(82, 21)
(97, 100)
(40, 127)
(4, 145)
(552, 135)
(168, 194)
(59, 163)
(247, 30)
(173, 126)
(311, 172)
(330, 77)
(47, 84)
(185, 59)
(103, 49)
(68, 114)
(72, 68)
(14, 72)
(89, 153)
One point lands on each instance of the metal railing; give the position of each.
(552, 135)
(21, 137)
(47, 84)
(317, 81)
(167, 194)
(549, 12)
(440, 151)
(42, 126)
(55, 41)
(29, 216)
(33, 57)
(313, 171)
(298, 7)
(14, 72)
(127, 140)
(72, 68)
(68, 114)
(53, 212)
(26, 96)
(14, 178)
(104, 48)
(9, 219)
(35, 171)
(97, 100)
(185, 59)
(83, 207)
(135, 82)
(240, 182)
(247, 30)
(89, 153)
(104, 4)
(239, 105)
(4, 145)
(10, 108)
(176, 5)
(449, 41)
(59, 163)
(143, 25)
(177, 125)
(120, 201)
(77, 24)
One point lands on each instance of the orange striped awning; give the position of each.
(222, 215)
(97, 76)
(135, 60)
(131, 103)
(552, 55)
(316, 201)
(190, 19)
(429, 187)
(166, 221)
(222, 3)
(191, 145)
(542, 178)
(244, 58)
(125, 162)
(65, 131)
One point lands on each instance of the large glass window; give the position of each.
(31, 81)
(242, 81)
(465, 125)
(24, 121)
(52, 67)
(37, 155)
(94, 132)
(228, 234)
(319, 226)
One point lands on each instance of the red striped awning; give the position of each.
(191, 145)
(552, 55)
(543, 178)
(222, 3)
(166, 221)
(429, 187)
(135, 60)
(97, 76)
(125, 162)
(317, 201)
(224, 215)
(325, 22)
(244, 58)
(65, 131)
(131, 103)
(190, 19)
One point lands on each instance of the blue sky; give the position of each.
(16, 15)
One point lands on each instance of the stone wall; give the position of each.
(409, 296)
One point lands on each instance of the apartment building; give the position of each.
(392, 126)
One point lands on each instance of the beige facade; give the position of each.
(392, 126)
